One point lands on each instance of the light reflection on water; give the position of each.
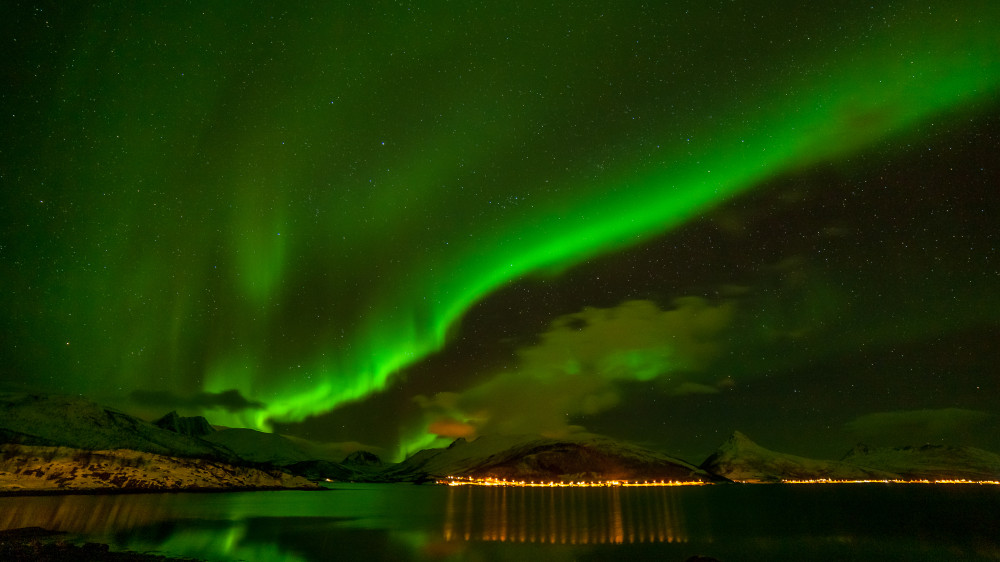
(406, 522)
(83, 515)
(563, 516)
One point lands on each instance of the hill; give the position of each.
(65, 421)
(27, 468)
(741, 459)
(60, 443)
(531, 458)
(195, 426)
(932, 462)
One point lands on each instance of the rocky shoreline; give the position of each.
(43, 545)
(125, 491)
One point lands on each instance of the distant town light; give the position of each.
(491, 481)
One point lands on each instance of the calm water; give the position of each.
(407, 522)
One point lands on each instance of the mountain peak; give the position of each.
(738, 441)
(194, 426)
(362, 458)
(573, 458)
(739, 458)
(79, 423)
(928, 461)
(858, 450)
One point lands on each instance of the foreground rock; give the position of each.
(25, 468)
(579, 458)
(34, 543)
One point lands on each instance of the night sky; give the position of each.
(393, 224)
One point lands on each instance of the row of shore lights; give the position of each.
(491, 481)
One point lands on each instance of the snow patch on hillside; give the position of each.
(34, 468)
(580, 457)
(739, 458)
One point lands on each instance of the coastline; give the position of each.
(123, 491)
(38, 543)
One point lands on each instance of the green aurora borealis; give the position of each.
(305, 205)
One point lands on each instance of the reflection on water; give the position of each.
(404, 522)
(563, 516)
(84, 515)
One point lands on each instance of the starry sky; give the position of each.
(391, 224)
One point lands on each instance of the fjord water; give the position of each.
(407, 522)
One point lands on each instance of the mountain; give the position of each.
(60, 443)
(359, 466)
(195, 426)
(257, 446)
(741, 459)
(324, 470)
(577, 458)
(50, 420)
(272, 448)
(931, 462)
(362, 459)
(27, 468)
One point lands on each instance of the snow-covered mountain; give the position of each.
(359, 466)
(64, 421)
(741, 459)
(932, 462)
(194, 426)
(27, 468)
(69, 443)
(263, 448)
(362, 459)
(260, 447)
(84, 445)
(577, 458)
(325, 470)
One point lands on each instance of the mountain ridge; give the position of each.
(577, 458)
(194, 426)
(55, 420)
(740, 458)
(78, 429)
(943, 462)
(64, 443)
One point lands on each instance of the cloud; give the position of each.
(577, 365)
(229, 400)
(915, 425)
(635, 340)
(694, 388)
(446, 426)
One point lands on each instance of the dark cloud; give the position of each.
(924, 425)
(230, 400)
(578, 365)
